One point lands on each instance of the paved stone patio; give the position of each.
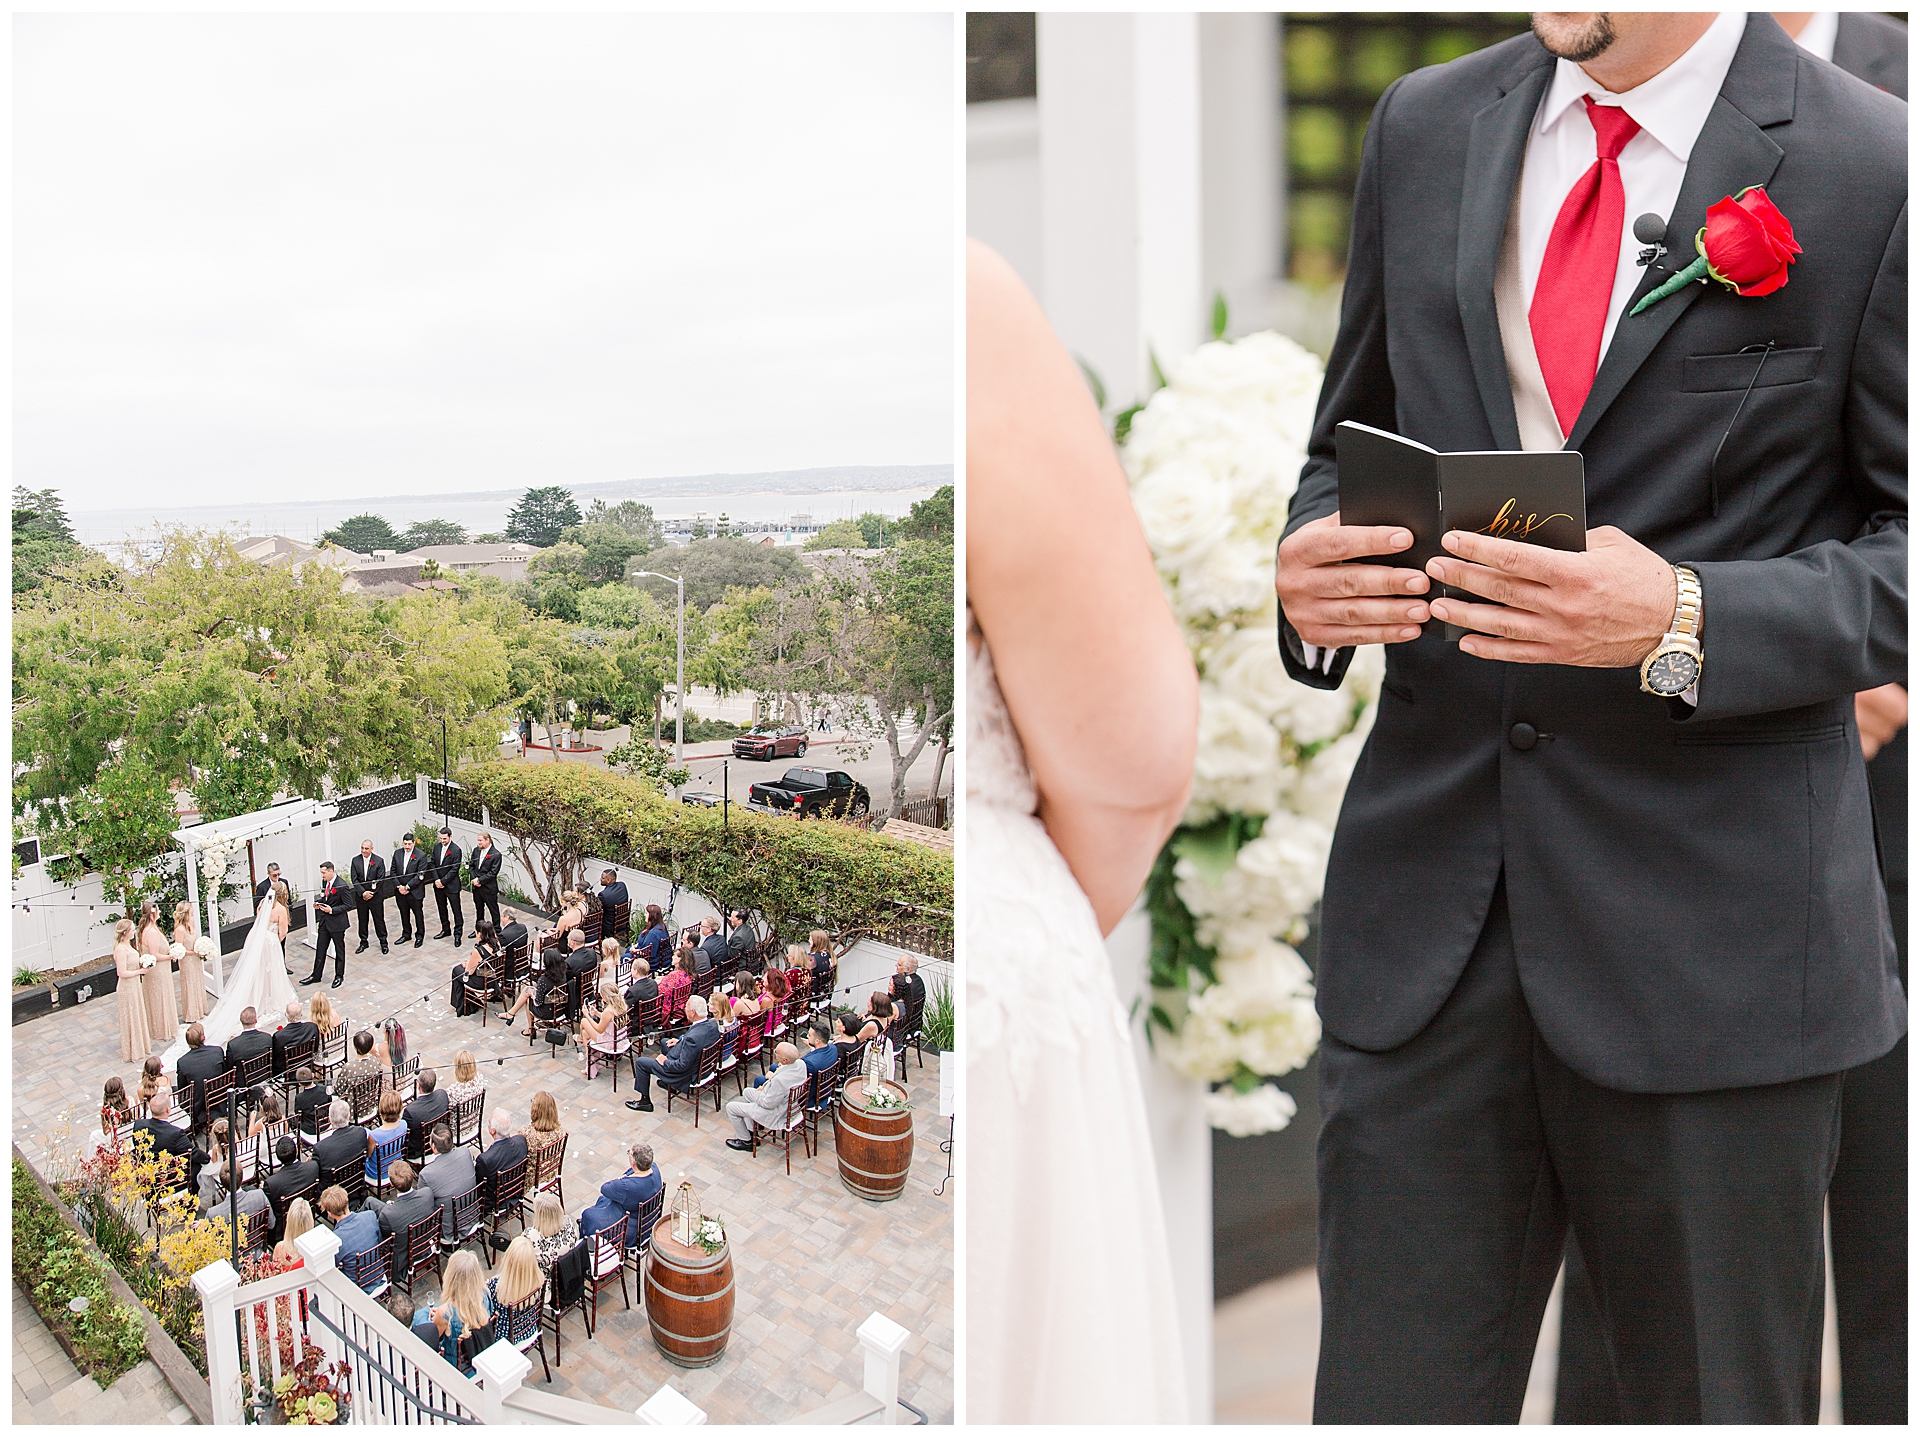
(811, 1261)
(48, 1388)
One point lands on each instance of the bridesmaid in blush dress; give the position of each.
(163, 1012)
(130, 995)
(193, 974)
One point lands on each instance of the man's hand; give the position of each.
(1604, 609)
(1335, 604)
(1881, 713)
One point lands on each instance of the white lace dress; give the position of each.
(1070, 1304)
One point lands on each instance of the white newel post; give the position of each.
(668, 1408)
(501, 1369)
(216, 1285)
(883, 1338)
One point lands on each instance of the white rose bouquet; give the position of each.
(1213, 459)
(204, 946)
(178, 950)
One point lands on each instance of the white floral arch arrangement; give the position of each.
(1213, 459)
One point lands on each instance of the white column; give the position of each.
(883, 1338)
(1241, 173)
(1119, 108)
(308, 878)
(216, 1285)
(1183, 1161)
(667, 1408)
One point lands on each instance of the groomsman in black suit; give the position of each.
(332, 904)
(446, 884)
(408, 870)
(370, 893)
(485, 866)
(265, 885)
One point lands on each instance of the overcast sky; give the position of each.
(353, 255)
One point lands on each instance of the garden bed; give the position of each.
(54, 1262)
(66, 988)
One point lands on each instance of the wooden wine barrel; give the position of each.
(875, 1148)
(689, 1298)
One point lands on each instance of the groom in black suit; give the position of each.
(445, 867)
(1593, 956)
(332, 904)
(408, 871)
(370, 893)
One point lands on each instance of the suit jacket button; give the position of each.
(1523, 736)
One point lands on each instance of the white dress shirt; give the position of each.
(1819, 34)
(1671, 109)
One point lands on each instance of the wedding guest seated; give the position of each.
(679, 1057)
(325, 1020)
(773, 999)
(485, 954)
(416, 1318)
(392, 1126)
(364, 1067)
(543, 1126)
(295, 1031)
(712, 947)
(293, 1175)
(907, 985)
(573, 913)
(749, 997)
(847, 1025)
(449, 1174)
(765, 1102)
(543, 999)
(298, 1221)
(720, 1009)
(612, 890)
(642, 989)
(506, 1149)
(425, 1110)
(201, 1061)
(554, 1233)
(410, 1203)
(269, 1120)
(344, 1143)
(466, 1079)
(744, 944)
(610, 958)
(653, 942)
(590, 903)
(581, 958)
(249, 1042)
(153, 1077)
(115, 1111)
(879, 1016)
(462, 1313)
(309, 1097)
(214, 1196)
(358, 1231)
(822, 1053)
(512, 930)
(820, 957)
(622, 1196)
(603, 1023)
(798, 972)
(678, 983)
(519, 1276)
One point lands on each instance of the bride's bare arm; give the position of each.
(1096, 675)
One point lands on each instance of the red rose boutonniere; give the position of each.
(1746, 244)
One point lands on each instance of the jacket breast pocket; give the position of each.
(1711, 373)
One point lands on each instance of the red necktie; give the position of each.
(1570, 300)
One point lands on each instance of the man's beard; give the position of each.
(1588, 44)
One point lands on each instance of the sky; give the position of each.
(301, 256)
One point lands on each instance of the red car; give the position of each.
(771, 741)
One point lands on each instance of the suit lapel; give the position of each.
(1732, 153)
(1496, 148)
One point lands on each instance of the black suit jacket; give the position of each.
(485, 868)
(248, 1043)
(287, 1037)
(167, 1138)
(503, 1153)
(679, 1061)
(421, 1114)
(341, 1147)
(411, 869)
(1693, 891)
(196, 1065)
(1874, 47)
(445, 865)
(285, 1183)
(613, 893)
(511, 934)
(337, 896)
(370, 873)
(397, 1215)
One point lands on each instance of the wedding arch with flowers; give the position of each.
(1212, 460)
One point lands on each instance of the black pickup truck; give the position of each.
(810, 792)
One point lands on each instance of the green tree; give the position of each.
(631, 515)
(46, 514)
(244, 779)
(120, 826)
(877, 530)
(712, 566)
(42, 539)
(542, 515)
(590, 555)
(428, 532)
(931, 518)
(840, 534)
(364, 533)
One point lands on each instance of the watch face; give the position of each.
(1673, 673)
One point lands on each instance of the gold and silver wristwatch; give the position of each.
(1674, 665)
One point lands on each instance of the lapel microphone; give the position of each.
(1651, 231)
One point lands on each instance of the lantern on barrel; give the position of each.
(686, 1214)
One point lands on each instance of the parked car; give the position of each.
(770, 741)
(810, 792)
(701, 800)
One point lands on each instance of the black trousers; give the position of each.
(378, 908)
(448, 896)
(412, 906)
(1453, 1167)
(1866, 1204)
(338, 940)
(487, 901)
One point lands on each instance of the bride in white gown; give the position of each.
(1081, 713)
(259, 980)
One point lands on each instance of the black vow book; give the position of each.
(1534, 497)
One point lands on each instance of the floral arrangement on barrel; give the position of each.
(1213, 459)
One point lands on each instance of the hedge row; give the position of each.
(51, 1261)
(799, 874)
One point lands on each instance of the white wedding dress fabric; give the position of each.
(259, 981)
(1070, 1298)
